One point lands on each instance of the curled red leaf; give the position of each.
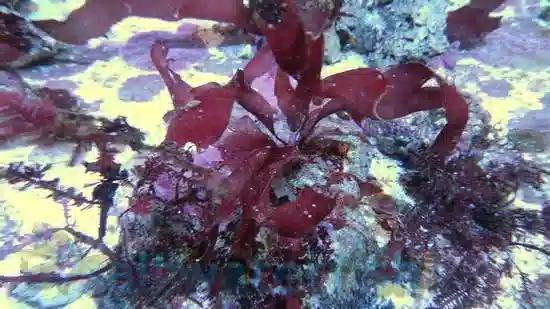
(298, 52)
(355, 91)
(253, 101)
(204, 119)
(202, 113)
(410, 91)
(179, 89)
(301, 217)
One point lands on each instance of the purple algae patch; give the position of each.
(190, 48)
(519, 45)
(227, 65)
(531, 133)
(141, 88)
(496, 88)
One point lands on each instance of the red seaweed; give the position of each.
(470, 23)
(96, 17)
(257, 152)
